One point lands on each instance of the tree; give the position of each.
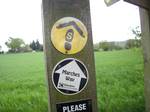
(14, 44)
(130, 44)
(1, 52)
(137, 32)
(136, 42)
(25, 48)
(109, 46)
(36, 46)
(104, 45)
(33, 45)
(0, 47)
(39, 46)
(96, 47)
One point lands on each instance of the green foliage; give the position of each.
(104, 45)
(133, 43)
(137, 39)
(96, 47)
(109, 46)
(130, 43)
(14, 44)
(1, 52)
(137, 32)
(119, 82)
(25, 48)
(36, 46)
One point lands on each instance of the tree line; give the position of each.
(1, 52)
(109, 46)
(128, 44)
(17, 45)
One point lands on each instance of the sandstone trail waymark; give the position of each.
(69, 35)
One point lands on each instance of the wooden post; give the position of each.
(140, 3)
(74, 17)
(145, 27)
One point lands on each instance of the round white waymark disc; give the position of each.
(70, 76)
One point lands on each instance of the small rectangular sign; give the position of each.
(77, 106)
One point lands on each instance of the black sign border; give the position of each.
(84, 85)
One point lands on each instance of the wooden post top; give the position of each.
(141, 3)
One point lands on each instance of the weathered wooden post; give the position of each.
(69, 56)
(145, 27)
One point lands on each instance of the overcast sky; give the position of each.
(22, 19)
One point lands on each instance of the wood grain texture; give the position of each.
(145, 27)
(53, 10)
(142, 3)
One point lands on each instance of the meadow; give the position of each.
(120, 83)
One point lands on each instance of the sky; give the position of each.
(22, 19)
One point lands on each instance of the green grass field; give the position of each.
(120, 82)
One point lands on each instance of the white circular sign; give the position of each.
(70, 76)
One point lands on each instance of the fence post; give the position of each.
(68, 47)
(145, 27)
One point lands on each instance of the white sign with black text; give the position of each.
(70, 76)
(76, 106)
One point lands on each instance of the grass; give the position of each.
(119, 79)
(22, 83)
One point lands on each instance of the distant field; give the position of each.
(119, 79)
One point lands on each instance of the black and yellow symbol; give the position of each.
(69, 35)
